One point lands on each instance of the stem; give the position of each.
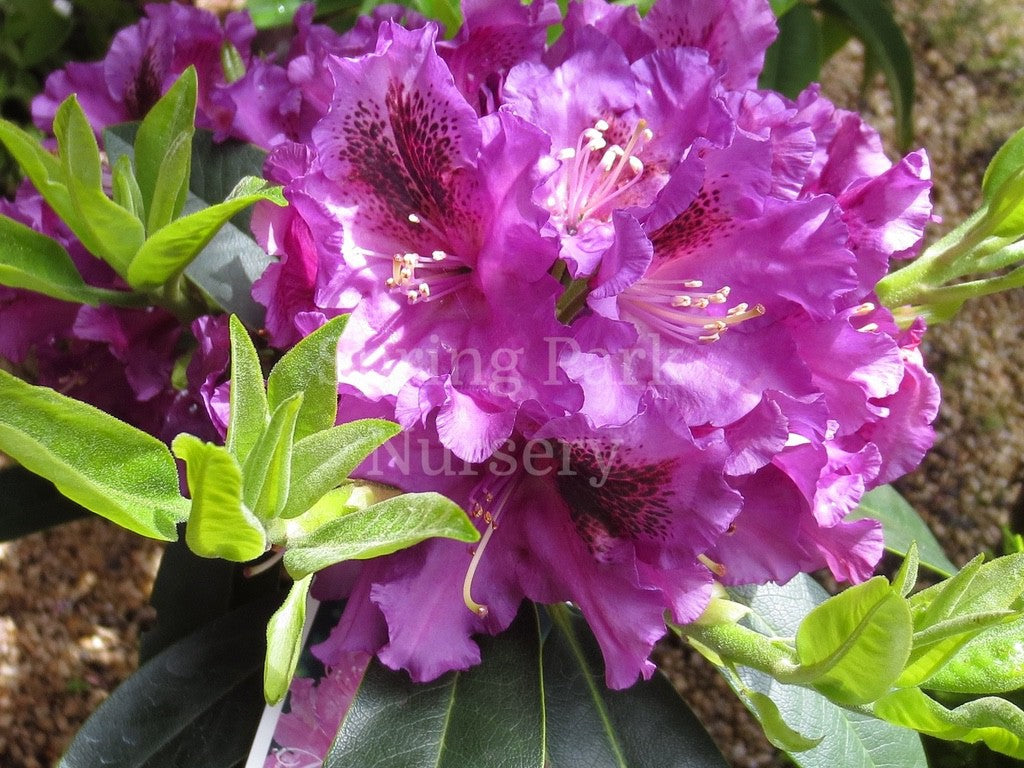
(172, 297)
(739, 645)
(972, 289)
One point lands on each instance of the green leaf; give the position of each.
(490, 715)
(31, 503)
(775, 728)
(1007, 160)
(104, 227)
(1006, 206)
(163, 151)
(447, 12)
(169, 250)
(324, 460)
(38, 263)
(126, 475)
(793, 61)
(43, 169)
(219, 525)
(867, 626)
(589, 726)
(906, 577)
(849, 739)
(272, 13)
(284, 641)
(781, 7)
(227, 267)
(992, 662)
(249, 412)
(977, 588)
(310, 367)
(996, 722)
(902, 526)
(267, 470)
(380, 529)
(195, 704)
(873, 22)
(936, 645)
(126, 187)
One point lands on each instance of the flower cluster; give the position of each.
(620, 300)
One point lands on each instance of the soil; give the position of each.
(73, 599)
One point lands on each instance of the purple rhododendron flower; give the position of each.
(700, 383)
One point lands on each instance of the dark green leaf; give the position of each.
(126, 475)
(249, 413)
(38, 263)
(284, 641)
(873, 22)
(324, 460)
(589, 726)
(781, 7)
(792, 62)
(195, 704)
(163, 150)
(902, 526)
(849, 739)
(310, 367)
(28, 503)
(219, 525)
(491, 715)
(380, 529)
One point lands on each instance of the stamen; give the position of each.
(716, 568)
(425, 278)
(495, 492)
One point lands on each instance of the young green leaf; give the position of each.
(978, 588)
(1006, 206)
(126, 187)
(38, 263)
(104, 227)
(906, 577)
(775, 728)
(992, 720)
(1004, 164)
(249, 413)
(163, 151)
(324, 460)
(168, 251)
(284, 641)
(864, 627)
(267, 470)
(126, 475)
(310, 367)
(936, 645)
(219, 525)
(385, 527)
(902, 526)
(43, 169)
(992, 662)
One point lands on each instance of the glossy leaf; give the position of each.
(163, 151)
(994, 721)
(793, 61)
(902, 526)
(126, 475)
(267, 471)
(590, 726)
(992, 662)
(490, 715)
(325, 459)
(284, 641)
(1006, 161)
(310, 367)
(865, 627)
(219, 525)
(249, 413)
(195, 704)
(29, 503)
(380, 529)
(39, 263)
(873, 22)
(104, 227)
(848, 739)
(169, 250)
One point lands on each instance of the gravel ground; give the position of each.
(73, 600)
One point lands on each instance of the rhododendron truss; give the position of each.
(564, 311)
